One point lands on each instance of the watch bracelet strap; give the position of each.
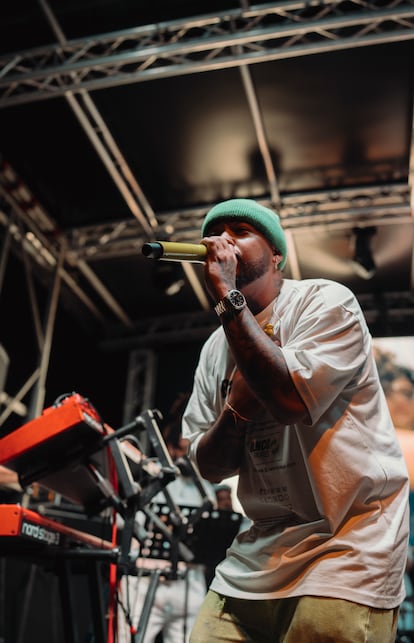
(223, 310)
(220, 308)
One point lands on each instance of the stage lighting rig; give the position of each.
(363, 260)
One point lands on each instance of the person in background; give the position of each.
(287, 395)
(177, 600)
(223, 497)
(398, 384)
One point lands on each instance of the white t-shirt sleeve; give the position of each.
(327, 346)
(205, 403)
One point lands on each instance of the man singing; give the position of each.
(286, 395)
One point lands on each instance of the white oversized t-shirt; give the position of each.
(328, 500)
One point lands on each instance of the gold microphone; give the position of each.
(172, 251)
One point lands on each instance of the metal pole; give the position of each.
(38, 395)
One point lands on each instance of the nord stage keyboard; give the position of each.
(25, 531)
(58, 450)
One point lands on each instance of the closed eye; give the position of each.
(242, 229)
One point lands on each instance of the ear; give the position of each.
(277, 258)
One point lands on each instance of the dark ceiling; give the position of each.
(124, 121)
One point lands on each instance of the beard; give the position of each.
(248, 273)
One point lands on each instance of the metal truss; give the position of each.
(38, 236)
(384, 312)
(337, 208)
(202, 43)
(340, 208)
(141, 383)
(231, 39)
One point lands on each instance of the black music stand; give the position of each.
(182, 534)
(137, 494)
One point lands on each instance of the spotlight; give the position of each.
(363, 261)
(168, 277)
(175, 287)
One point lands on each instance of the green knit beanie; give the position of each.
(261, 218)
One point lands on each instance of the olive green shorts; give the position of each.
(306, 619)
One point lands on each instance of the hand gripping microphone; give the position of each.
(172, 251)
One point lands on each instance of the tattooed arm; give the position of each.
(259, 359)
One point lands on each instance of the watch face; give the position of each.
(237, 299)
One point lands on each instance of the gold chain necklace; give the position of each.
(269, 326)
